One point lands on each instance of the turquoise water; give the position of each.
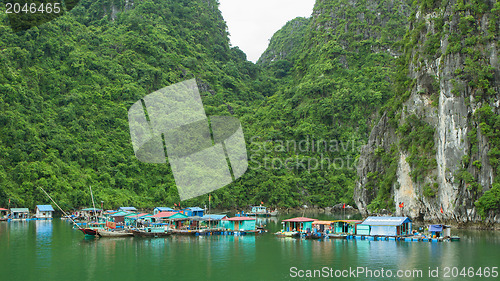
(52, 250)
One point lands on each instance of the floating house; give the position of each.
(3, 213)
(89, 212)
(239, 224)
(193, 212)
(162, 209)
(323, 226)
(213, 221)
(345, 226)
(127, 209)
(132, 219)
(299, 224)
(19, 213)
(440, 231)
(44, 212)
(385, 226)
(174, 219)
(118, 217)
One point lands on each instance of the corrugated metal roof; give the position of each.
(300, 219)
(214, 217)
(120, 214)
(349, 221)
(3, 209)
(127, 209)
(323, 222)
(165, 209)
(239, 219)
(139, 215)
(45, 208)
(19, 210)
(386, 220)
(438, 227)
(91, 209)
(164, 214)
(195, 209)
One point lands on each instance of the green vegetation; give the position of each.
(306, 107)
(417, 138)
(66, 86)
(490, 201)
(385, 180)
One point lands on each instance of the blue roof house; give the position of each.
(129, 209)
(213, 221)
(162, 209)
(439, 230)
(44, 212)
(193, 211)
(385, 226)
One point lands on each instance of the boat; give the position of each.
(149, 233)
(92, 228)
(187, 232)
(261, 211)
(313, 236)
(114, 233)
(336, 236)
(287, 234)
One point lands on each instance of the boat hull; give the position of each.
(88, 231)
(313, 236)
(141, 233)
(287, 234)
(108, 233)
(337, 236)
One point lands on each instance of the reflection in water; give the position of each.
(52, 250)
(44, 231)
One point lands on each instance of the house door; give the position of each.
(236, 226)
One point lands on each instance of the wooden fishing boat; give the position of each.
(261, 211)
(91, 229)
(287, 234)
(88, 231)
(114, 233)
(149, 233)
(337, 236)
(313, 235)
(187, 232)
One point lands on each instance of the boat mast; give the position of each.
(59, 207)
(93, 203)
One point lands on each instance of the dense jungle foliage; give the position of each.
(306, 107)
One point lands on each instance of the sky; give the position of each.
(252, 23)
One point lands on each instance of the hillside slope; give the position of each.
(66, 86)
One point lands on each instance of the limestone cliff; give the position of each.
(286, 42)
(434, 152)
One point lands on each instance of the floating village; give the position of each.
(165, 221)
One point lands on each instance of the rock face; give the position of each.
(286, 42)
(448, 50)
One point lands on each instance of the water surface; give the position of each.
(52, 250)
